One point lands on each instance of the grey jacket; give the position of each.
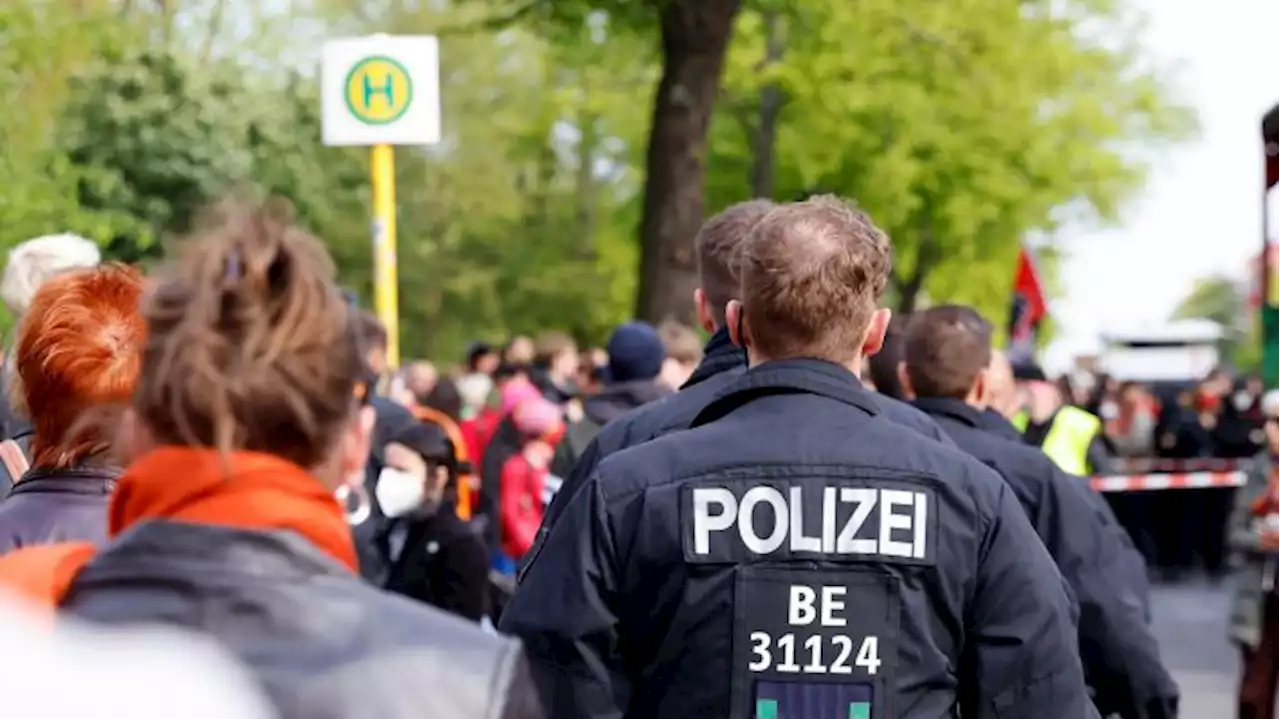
(1253, 568)
(322, 643)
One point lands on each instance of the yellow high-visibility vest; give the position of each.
(1068, 439)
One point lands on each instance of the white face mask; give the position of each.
(1242, 401)
(398, 492)
(1109, 410)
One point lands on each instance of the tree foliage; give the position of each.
(585, 140)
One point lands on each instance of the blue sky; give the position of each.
(1200, 213)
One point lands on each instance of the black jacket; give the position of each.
(57, 506)
(322, 643)
(1121, 657)
(721, 364)
(440, 560)
(795, 526)
(615, 400)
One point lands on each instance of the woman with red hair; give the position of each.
(77, 355)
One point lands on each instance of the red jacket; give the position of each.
(477, 432)
(520, 504)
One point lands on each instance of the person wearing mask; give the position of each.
(1130, 425)
(684, 353)
(360, 499)
(433, 555)
(478, 413)
(794, 549)
(1253, 534)
(716, 245)
(1072, 437)
(29, 265)
(76, 362)
(246, 420)
(947, 352)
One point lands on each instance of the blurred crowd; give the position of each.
(1220, 417)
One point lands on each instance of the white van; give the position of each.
(1174, 352)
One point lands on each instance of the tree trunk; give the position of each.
(695, 36)
(766, 129)
(909, 290)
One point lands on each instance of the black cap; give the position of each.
(1029, 372)
(476, 351)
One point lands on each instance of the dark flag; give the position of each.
(1028, 311)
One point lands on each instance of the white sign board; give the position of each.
(381, 90)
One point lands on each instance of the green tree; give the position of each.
(41, 47)
(961, 127)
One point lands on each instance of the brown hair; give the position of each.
(717, 245)
(812, 275)
(551, 345)
(252, 346)
(371, 331)
(77, 355)
(945, 350)
(682, 343)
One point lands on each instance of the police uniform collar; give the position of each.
(720, 355)
(789, 376)
(956, 409)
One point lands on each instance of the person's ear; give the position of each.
(739, 333)
(706, 320)
(980, 392)
(873, 339)
(356, 442)
(904, 379)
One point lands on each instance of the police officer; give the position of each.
(716, 247)
(946, 358)
(1072, 437)
(795, 554)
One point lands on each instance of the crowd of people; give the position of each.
(820, 510)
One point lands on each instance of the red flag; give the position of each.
(1029, 308)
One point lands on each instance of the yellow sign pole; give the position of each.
(385, 283)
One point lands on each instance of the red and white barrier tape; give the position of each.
(1181, 480)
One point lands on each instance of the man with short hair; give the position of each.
(946, 357)
(1072, 437)
(795, 553)
(717, 245)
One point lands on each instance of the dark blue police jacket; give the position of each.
(722, 363)
(795, 554)
(1120, 654)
